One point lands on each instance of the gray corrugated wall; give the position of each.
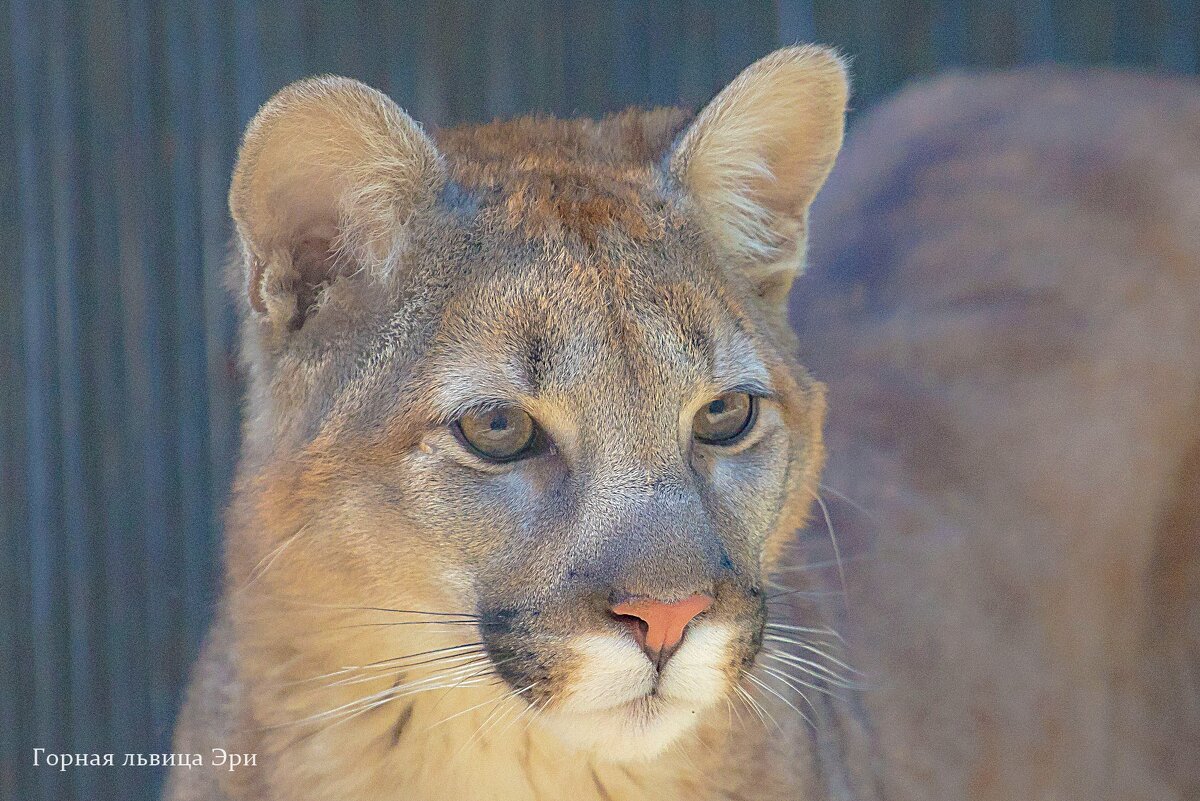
(118, 388)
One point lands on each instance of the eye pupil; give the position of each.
(499, 423)
(716, 407)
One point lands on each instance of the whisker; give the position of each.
(744, 697)
(798, 691)
(750, 703)
(265, 563)
(837, 553)
(809, 647)
(415, 612)
(409, 623)
(383, 663)
(811, 668)
(471, 709)
(462, 660)
(353, 608)
(848, 500)
(487, 722)
(395, 691)
(538, 711)
(813, 566)
(489, 669)
(526, 711)
(802, 593)
(797, 679)
(755, 679)
(804, 629)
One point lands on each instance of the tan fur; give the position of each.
(1005, 302)
(1021, 531)
(393, 282)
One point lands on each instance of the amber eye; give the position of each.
(501, 435)
(725, 419)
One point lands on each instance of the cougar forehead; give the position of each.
(569, 177)
(567, 321)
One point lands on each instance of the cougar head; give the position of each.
(528, 390)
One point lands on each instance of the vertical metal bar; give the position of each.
(950, 37)
(588, 33)
(1178, 50)
(508, 54)
(14, 657)
(37, 326)
(401, 23)
(745, 32)
(697, 59)
(1038, 41)
(190, 435)
(120, 618)
(796, 22)
(464, 59)
(218, 137)
(629, 51)
(144, 354)
(67, 276)
(661, 40)
(248, 81)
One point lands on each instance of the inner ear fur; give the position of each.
(327, 175)
(755, 157)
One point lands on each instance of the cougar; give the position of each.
(529, 438)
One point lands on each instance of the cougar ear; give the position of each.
(754, 158)
(328, 172)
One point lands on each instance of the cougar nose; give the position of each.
(657, 626)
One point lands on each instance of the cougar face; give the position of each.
(528, 389)
(643, 434)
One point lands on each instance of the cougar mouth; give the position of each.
(619, 704)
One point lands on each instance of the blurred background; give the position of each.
(119, 388)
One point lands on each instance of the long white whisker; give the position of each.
(384, 665)
(802, 682)
(837, 553)
(811, 668)
(394, 691)
(470, 709)
(750, 703)
(755, 679)
(265, 563)
(487, 722)
(458, 660)
(785, 679)
(870, 516)
(826, 632)
(811, 648)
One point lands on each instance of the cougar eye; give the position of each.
(725, 419)
(500, 435)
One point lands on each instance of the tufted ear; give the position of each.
(328, 173)
(754, 158)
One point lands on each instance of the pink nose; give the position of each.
(657, 626)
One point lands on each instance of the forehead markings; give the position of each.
(566, 316)
(716, 331)
(471, 378)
